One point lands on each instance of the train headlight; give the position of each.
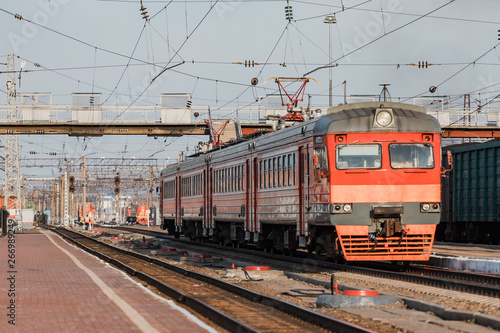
(340, 208)
(384, 118)
(426, 207)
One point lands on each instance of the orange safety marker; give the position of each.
(257, 268)
(361, 293)
(169, 250)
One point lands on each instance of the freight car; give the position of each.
(471, 195)
(360, 183)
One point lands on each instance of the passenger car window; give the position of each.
(320, 159)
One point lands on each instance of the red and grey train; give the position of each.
(360, 183)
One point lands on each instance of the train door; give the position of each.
(255, 228)
(161, 205)
(303, 168)
(248, 196)
(209, 183)
(178, 202)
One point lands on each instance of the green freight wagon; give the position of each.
(476, 193)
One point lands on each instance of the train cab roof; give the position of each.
(376, 117)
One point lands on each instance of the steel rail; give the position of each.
(220, 318)
(447, 280)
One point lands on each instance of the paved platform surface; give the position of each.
(60, 288)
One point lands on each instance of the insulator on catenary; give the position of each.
(144, 13)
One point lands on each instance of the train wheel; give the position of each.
(338, 258)
(320, 253)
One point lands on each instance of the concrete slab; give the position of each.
(481, 265)
(417, 321)
(342, 301)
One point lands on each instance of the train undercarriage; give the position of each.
(273, 238)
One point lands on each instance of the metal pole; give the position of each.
(84, 185)
(150, 198)
(331, 68)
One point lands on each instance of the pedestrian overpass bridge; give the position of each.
(175, 116)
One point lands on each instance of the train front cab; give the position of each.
(385, 186)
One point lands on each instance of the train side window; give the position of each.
(285, 171)
(320, 159)
(261, 172)
(293, 168)
(240, 178)
(267, 184)
(274, 172)
(269, 172)
(225, 180)
(219, 181)
(233, 178)
(359, 156)
(169, 190)
(243, 177)
(216, 181)
(278, 177)
(236, 178)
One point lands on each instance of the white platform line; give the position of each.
(129, 311)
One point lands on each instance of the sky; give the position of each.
(85, 46)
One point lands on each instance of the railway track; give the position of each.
(230, 306)
(480, 284)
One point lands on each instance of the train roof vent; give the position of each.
(384, 118)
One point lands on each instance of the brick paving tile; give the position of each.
(53, 294)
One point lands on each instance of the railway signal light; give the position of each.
(117, 184)
(72, 184)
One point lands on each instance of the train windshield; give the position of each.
(359, 156)
(411, 156)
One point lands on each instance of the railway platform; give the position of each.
(48, 285)
(468, 257)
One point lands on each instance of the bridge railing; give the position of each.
(488, 115)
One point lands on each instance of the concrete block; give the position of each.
(341, 301)
(487, 320)
(254, 275)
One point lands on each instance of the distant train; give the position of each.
(142, 215)
(360, 183)
(132, 214)
(471, 195)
